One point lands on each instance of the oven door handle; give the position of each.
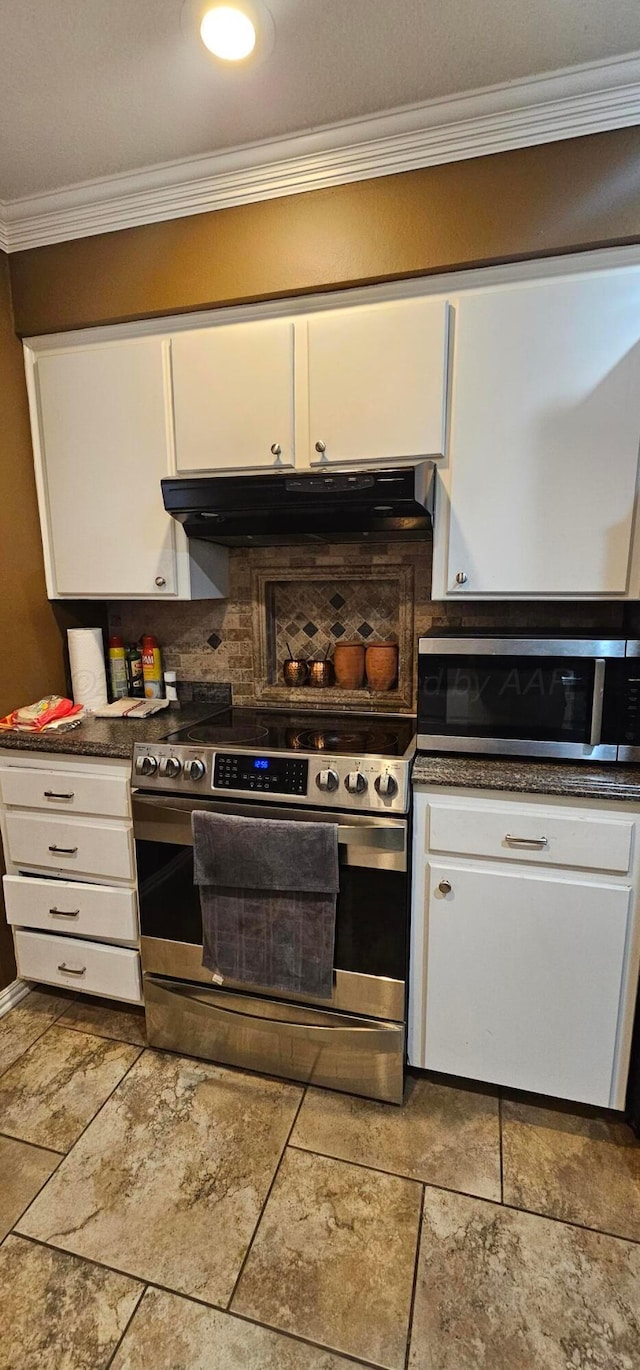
(376, 835)
(383, 839)
(375, 1032)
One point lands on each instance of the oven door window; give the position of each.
(371, 915)
(543, 699)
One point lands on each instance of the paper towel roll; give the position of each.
(86, 660)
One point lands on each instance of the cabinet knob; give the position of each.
(461, 577)
(160, 581)
(276, 449)
(321, 446)
(445, 887)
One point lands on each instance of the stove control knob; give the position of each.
(327, 781)
(386, 785)
(170, 767)
(356, 782)
(195, 769)
(146, 765)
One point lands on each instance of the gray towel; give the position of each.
(268, 897)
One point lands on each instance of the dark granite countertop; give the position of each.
(109, 736)
(568, 778)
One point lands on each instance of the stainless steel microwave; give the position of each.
(576, 698)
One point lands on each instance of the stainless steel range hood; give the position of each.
(317, 506)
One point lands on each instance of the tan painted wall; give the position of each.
(561, 197)
(31, 656)
(31, 660)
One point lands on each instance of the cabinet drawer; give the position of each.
(527, 832)
(70, 846)
(67, 906)
(65, 791)
(87, 966)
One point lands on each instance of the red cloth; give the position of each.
(34, 718)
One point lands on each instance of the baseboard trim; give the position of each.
(12, 995)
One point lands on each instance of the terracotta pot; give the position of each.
(321, 673)
(348, 661)
(382, 666)
(295, 672)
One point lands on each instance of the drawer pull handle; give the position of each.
(65, 913)
(445, 887)
(536, 842)
(52, 794)
(72, 970)
(64, 851)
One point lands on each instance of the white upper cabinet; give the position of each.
(102, 437)
(377, 380)
(539, 497)
(536, 431)
(233, 396)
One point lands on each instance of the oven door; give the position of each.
(353, 1041)
(515, 697)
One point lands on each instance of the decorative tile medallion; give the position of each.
(303, 614)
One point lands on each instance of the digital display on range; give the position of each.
(261, 774)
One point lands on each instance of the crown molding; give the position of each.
(564, 104)
(4, 228)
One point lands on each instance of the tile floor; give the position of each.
(162, 1213)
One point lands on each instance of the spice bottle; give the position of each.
(117, 667)
(152, 667)
(134, 671)
(170, 686)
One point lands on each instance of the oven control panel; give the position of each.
(260, 774)
(330, 781)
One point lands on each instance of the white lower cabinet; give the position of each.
(520, 976)
(70, 906)
(523, 979)
(70, 889)
(88, 846)
(85, 966)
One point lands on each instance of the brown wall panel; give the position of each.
(560, 197)
(31, 651)
(31, 659)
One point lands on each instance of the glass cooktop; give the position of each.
(279, 731)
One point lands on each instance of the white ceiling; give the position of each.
(91, 88)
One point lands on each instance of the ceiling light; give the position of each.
(228, 33)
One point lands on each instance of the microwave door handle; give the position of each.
(595, 733)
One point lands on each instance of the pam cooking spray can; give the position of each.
(152, 667)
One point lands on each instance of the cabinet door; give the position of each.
(544, 439)
(104, 445)
(524, 977)
(377, 381)
(233, 396)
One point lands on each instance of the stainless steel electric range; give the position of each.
(349, 769)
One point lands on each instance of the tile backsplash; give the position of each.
(216, 640)
(309, 617)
